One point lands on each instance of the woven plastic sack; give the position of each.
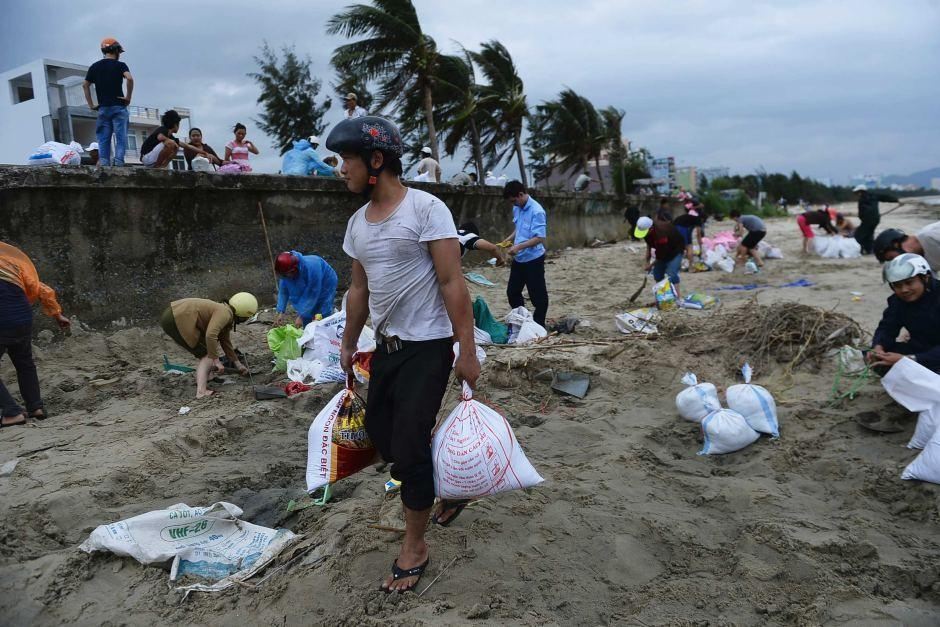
(755, 403)
(698, 400)
(726, 431)
(522, 328)
(641, 320)
(665, 295)
(283, 343)
(476, 453)
(926, 466)
(337, 442)
(917, 389)
(926, 427)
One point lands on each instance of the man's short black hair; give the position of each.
(735, 213)
(195, 129)
(513, 189)
(469, 227)
(170, 118)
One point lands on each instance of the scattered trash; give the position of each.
(698, 301)
(479, 279)
(522, 328)
(211, 543)
(851, 360)
(476, 453)
(392, 486)
(185, 410)
(698, 400)
(750, 267)
(303, 503)
(564, 325)
(665, 293)
(7, 468)
(754, 286)
(283, 343)
(337, 442)
(726, 431)
(484, 320)
(571, 383)
(293, 388)
(755, 403)
(168, 367)
(637, 321)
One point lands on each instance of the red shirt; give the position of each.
(666, 242)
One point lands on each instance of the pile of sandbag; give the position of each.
(321, 342)
(751, 411)
(523, 328)
(836, 247)
(918, 390)
(56, 153)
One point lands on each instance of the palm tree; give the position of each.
(464, 122)
(504, 98)
(616, 151)
(575, 132)
(395, 53)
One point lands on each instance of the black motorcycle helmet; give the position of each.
(887, 240)
(362, 136)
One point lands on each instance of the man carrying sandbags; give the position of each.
(406, 273)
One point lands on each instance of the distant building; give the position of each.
(45, 102)
(664, 169)
(565, 180)
(687, 178)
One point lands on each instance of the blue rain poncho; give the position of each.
(302, 159)
(312, 291)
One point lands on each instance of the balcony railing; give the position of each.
(149, 113)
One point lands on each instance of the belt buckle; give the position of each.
(391, 344)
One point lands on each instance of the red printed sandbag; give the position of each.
(337, 443)
(476, 453)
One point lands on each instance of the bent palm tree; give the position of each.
(504, 99)
(575, 132)
(464, 122)
(395, 53)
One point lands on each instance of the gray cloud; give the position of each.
(825, 87)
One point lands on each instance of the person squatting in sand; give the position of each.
(664, 238)
(756, 231)
(914, 306)
(406, 273)
(20, 288)
(308, 283)
(202, 326)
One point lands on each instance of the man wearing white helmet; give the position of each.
(914, 306)
(429, 166)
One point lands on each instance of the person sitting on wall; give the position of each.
(308, 283)
(91, 154)
(303, 160)
(195, 141)
(202, 327)
(160, 148)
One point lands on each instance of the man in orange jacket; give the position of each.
(20, 288)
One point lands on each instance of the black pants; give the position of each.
(865, 233)
(531, 275)
(18, 343)
(405, 393)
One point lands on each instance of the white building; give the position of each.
(45, 102)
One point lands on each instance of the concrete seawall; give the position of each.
(122, 243)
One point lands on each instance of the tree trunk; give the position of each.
(597, 167)
(429, 118)
(517, 140)
(477, 152)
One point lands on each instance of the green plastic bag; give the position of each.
(283, 343)
(485, 321)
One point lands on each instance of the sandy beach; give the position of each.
(630, 527)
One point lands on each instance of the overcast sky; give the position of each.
(829, 88)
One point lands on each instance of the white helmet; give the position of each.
(904, 267)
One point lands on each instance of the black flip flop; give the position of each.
(398, 573)
(457, 506)
(45, 414)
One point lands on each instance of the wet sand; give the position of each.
(630, 526)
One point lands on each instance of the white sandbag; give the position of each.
(522, 328)
(698, 400)
(322, 341)
(848, 247)
(637, 321)
(206, 542)
(56, 153)
(726, 431)
(725, 265)
(481, 337)
(476, 453)
(835, 246)
(302, 370)
(201, 164)
(926, 466)
(824, 248)
(926, 427)
(912, 385)
(755, 403)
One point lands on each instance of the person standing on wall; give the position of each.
(527, 251)
(108, 75)
(429, 166)
(868, 215)
(20, 288)
(406, 273)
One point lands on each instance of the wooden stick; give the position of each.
(386, 528)
(438, 576)
(267, 241)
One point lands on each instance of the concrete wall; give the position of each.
(122, 243)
